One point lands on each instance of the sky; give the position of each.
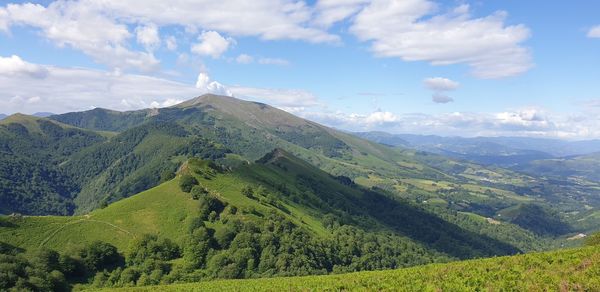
(450, 68)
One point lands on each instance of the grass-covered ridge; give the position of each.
(161, 210)
(565, 270)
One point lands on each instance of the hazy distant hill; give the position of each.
(504, 151)
(583, 166)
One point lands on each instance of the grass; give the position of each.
(161, 210)
(565, 270)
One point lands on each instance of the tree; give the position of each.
(186, 182)
(248, 192)
(166, 175)
(198, 191)
(151, 247)
(100, 255)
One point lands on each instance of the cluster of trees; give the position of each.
(273, 246)
(47, 270)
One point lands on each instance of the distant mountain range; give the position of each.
(38, 114)
(503, 151)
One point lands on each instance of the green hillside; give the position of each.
(162, 210)
(305, 195)
(251, 130)
(566, 270)
(31, 149)
(279, 216)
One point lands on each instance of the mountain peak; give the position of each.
(204, 99)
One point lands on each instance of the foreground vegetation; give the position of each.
(566, 270)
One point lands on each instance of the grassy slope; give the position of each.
(566, 270)
(161, 210)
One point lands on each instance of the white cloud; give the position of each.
(100, 28)
(273, 61)
(440, 84)
(380, 117)
(212, 44)
(171, 42)
(594, 32)
(526, 122)
(4, 20)
(244, 59)
(73, 89)
(529, 118)
(266, 19)
(331, 11)
(205, 85)
(14, 65)
(148, 36)
(247, 59)
(411, 31)
(441, 98)
(290, 99)
(82, 26)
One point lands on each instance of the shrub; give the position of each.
(198, 191)
(593, 239)
(248, 192)
(187, 182)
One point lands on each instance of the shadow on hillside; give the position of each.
(356, 205)
(431, 230)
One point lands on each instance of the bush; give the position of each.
(151, 247)
(187, 182)
(593, 239)
(248, 192)
(166, 175)
(198, 192)
(100, 255)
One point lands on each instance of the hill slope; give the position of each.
(567, 270)
(305, 195)
(31, 150)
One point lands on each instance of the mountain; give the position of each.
(43, 114)
(3, 116)
(31, 150)
(140, 145)
(217, 187)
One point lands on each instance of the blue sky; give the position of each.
(511, 68)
